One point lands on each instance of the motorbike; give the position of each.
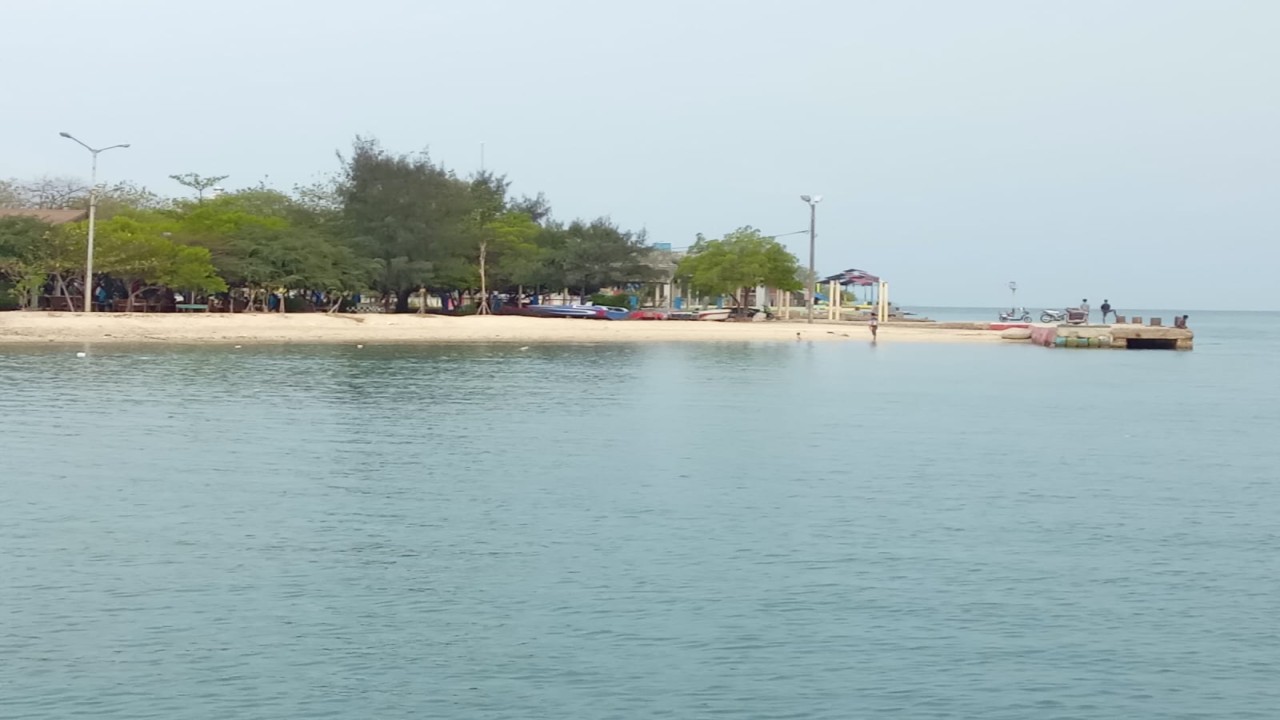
(1053, 316)
(1016, 315)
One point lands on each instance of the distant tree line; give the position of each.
(387, 223)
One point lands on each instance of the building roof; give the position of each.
(54, 217)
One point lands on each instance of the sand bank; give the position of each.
(42, 327)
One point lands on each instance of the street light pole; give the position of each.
(813, 201)
(93, 215)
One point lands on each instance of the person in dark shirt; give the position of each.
(1106, 309)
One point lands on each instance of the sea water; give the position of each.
(786, 530)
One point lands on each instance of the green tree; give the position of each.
(501, 252)
(23, 244)
(125, 197)
(263, 240)
(409, 214)
(140, 251)
(741, 260)
(587, 256)
(199, 183)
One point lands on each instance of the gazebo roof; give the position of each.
(854, 276)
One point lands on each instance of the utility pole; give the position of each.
(813, 201)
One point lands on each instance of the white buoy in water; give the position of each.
(80, 354)
(239, 346)
(359, 347)
(526, 347)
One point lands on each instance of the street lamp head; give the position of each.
(811, 199)
(817, 199)
(805, 198)
(65, 135)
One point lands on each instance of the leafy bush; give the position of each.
(8, 296)
(621, 300)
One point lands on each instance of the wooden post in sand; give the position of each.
(882, 310)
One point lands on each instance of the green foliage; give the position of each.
(199, 183)
(388, 222)
(139, 250)
(10, 299)
(265, 239)
(21, 241)
(589, 256)
(21, 264)
(613, 300)
(740, 260)
(412, 216)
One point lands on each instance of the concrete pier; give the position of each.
(1122, 336)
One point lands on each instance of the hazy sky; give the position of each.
(1084, 148)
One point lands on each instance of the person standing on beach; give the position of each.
(1106, 309)
(875, 327)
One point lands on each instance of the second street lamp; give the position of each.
(813, 201)
(93, 213)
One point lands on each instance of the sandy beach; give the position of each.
(44, 327)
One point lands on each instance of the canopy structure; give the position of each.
(854, 276)
(851, 280)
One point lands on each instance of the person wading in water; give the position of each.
(875, 327)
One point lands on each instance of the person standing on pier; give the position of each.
(1106, 310)
(1084, 308)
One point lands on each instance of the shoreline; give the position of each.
(33, 328)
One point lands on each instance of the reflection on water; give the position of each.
(754, 531)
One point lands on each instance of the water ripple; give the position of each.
(672, 531)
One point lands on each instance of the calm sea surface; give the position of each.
(682, 531)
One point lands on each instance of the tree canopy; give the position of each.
(741, 260)
(387, 222)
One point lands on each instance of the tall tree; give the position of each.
(263, 240)
(199, 183)
(407, 213)
(741, 260)
(591, 255)
(488, 198)
(23, 246)
(140, 252)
